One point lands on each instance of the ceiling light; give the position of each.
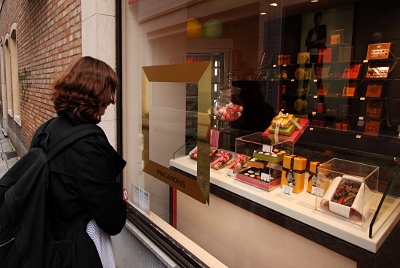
(273, 4)
(314, 1)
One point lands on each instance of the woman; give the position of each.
(83, 192)
(316, 38)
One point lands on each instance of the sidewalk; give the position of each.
(9, 155)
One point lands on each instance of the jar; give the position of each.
(228, 106)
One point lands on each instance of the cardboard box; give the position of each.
(293, 172)
(371, 128)
(312, 176)
(374, 90)
(349, 89)
(378, 51)
(374, 108)
(324, 55)
(352, 72)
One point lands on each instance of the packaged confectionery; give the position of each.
(293, 172)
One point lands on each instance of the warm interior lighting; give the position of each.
(274, 4)
(263, 13)
(314, 1)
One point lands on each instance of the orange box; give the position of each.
(374, 108)
(293, 172)
(312, 177)
(372, 128)
(374, 90)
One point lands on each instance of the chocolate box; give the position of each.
(312, 176)
(374, 90)
(350, 194)
(371, 127)
(374, 108)
(293, 172)
(267, 178)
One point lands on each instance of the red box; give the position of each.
(324, 55)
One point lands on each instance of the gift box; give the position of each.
(374, 90)
(350, 192)
(275, 156)
(193, 153)
(221, 159)
(371, 127)
(374, 108)
(293, 172)
(312, 176)
(267, 178)
(324, 55)
(352, 71)
(283, 120)
(237, 164)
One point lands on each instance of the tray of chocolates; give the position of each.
(266, 179)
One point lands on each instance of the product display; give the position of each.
(377, 71)
(374, 90)
(256, 163)
(378, 51)
(228, 107)
(221, 159)
(346, 196)
(350, 190)
(193, 153)
(275, 156)
(293, 172)
(352, 72)
(312, 176)
(371, 127)
(267, 178)
(374, 108)
(349, 89)
(238, 163)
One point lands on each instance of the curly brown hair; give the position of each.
(83, 87)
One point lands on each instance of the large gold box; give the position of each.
(293, 172)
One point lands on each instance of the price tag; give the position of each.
(315, 96)
(267, 148)
(358, 136)
(314, 113)
(362, 98)
(287, 190)
(360, 122)
(317, 191)
(315, 80)
(311, 128)
(265, 177)
(292, 80)
(229, 172)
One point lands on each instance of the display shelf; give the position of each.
(301, 207)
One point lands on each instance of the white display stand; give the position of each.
(300, 207)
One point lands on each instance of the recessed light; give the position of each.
(274, 4)
(314, 1)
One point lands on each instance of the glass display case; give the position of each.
(347, 189)
(265, 157)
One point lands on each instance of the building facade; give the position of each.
(173, 58)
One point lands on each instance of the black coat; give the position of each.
(83, 187)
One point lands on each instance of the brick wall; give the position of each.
(48, 40)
